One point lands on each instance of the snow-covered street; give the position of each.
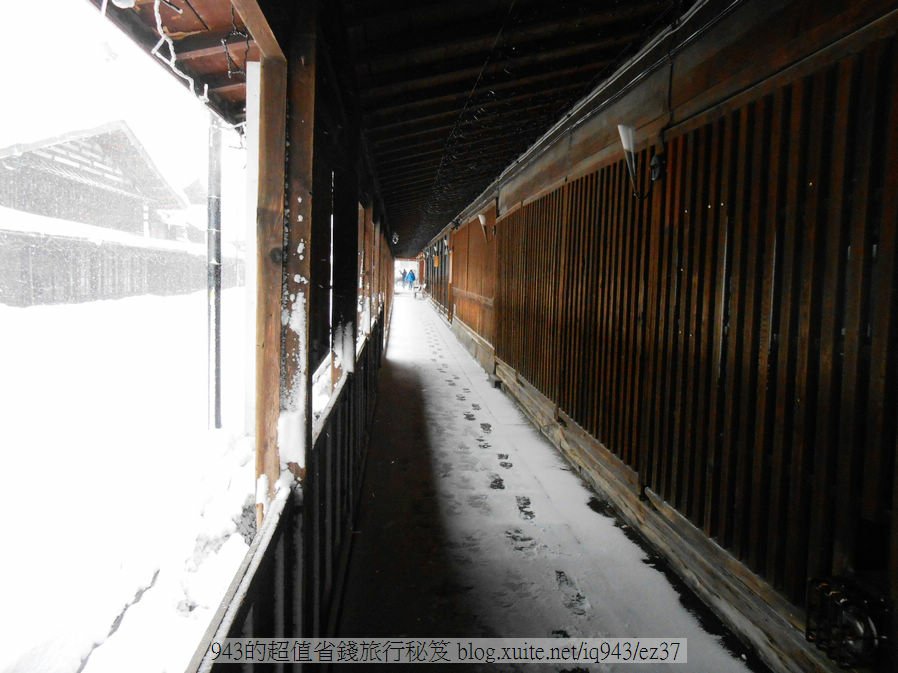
(120, 509)
(473, 525)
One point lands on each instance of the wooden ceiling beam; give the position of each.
(461, 147)
(399, 164)
(128, 21)
(383, 168)
(411, 122)
(255, 21)
(393, 22)
(394, 192)
(401, 57)
(223, 84)
(408, 112)
(604, 49)
(205, 44)
(489, 120)
(400, 172)
(401, 186)
(523, 126)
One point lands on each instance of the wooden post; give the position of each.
(296, 398)
(269, 248)
(346, 252)
(270, 255)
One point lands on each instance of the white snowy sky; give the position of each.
(85, 72)
(67, 69)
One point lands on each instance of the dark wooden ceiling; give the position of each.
(451, 91)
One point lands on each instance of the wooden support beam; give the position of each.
(414, 121)
(258, 27)
(209, 44)
(128, 21)
(460, 81)
(270, 236)
(346, 260)
(536, 64)
(222, 84)
(495, 125)
(411, 111)
(446, 120)
(510, 137)
(539, 31)
(296, 399)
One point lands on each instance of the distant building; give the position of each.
(101, 176)
(87, 216)
(189, 224)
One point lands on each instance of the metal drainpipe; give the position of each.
(213, 275)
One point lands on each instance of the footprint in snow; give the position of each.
(573, 599)
(524, 507)
(475, 407)
(486, 427)
(479, 502)
(497, 482)
(506, 464)
(469, 416)
(520, 540)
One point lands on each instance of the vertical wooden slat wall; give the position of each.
(474, 275)
(528, 272)
(437, 272)
(731, 338)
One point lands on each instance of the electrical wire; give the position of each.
(233, 67)
(172, 56)
(454, 134)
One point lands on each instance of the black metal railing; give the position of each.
(290, 582)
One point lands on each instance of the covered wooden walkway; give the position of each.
(472, 525)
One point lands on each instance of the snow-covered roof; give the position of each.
(109, 156)
(22, 222)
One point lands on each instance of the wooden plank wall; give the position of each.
(732, 338)
(437, 272)
(474, 251)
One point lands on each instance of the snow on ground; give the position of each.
(541, 554)
(119, 508)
